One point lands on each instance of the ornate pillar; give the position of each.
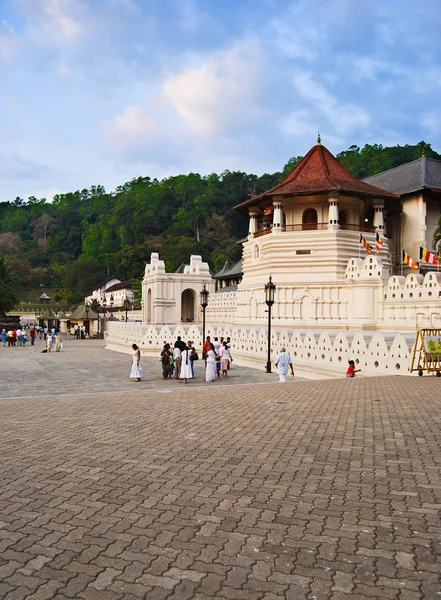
(253, 221)
(277, 216)
(333, 198)
(379, 215)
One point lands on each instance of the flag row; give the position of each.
(425, 255)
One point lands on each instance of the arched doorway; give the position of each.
(188, 305)
(309, 219)
(149, 305)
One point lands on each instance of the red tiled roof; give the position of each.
(319, 172)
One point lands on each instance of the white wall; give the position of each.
(315, 354)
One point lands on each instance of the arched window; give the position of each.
(309, 219)
(343, 218)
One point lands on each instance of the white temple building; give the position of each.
(333, 301)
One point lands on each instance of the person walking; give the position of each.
(210, 368)
(136, 372)
(225, 356)
(33, 334)
(57, 342)
(283, 363)
(185, 373)
(4, 337)
(48, 343)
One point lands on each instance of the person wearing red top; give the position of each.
(32, 333)
(206, 347)
(351, 369)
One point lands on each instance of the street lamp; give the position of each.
(126, 306)
(111, 305)
(270, 290)
(87, 317)
(204, 303)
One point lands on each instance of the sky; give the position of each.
(103, 91)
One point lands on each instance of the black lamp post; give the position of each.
(126, 306)
(111, 306)
(204, 303)
(87, 318)
(270, 290)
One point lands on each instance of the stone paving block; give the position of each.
(278, 491)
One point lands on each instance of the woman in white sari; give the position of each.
(185, 373)
(210, 369)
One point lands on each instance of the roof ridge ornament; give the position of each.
(319, 139)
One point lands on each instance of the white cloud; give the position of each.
(343, 116)
(59, 11)
(220, 93)
(8, 42)
(131, 129)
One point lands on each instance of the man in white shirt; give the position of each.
(283, 362)
(19, 341)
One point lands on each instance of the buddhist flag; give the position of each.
(378, 242)
(428, 257)
(364, 243)
(409, 261)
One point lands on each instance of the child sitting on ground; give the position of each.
(351, 369)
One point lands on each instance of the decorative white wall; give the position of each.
(315, 354)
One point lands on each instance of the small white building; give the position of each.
(174, 297)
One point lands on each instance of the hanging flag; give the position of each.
(364, 243)
(409, 261)
(428, 257)
(378, 242)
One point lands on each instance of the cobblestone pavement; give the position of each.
(85, 366)
(313, 489)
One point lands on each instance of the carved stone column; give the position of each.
(333, 198)
(277, 216)
(253, 221)
(379, 215)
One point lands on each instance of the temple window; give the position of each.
(256, 252)
(309, 219)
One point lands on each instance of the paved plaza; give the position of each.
(244, 489)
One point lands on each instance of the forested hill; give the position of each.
(82, 236)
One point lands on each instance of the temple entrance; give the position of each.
(188, 299)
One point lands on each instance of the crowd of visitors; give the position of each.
(178, 362)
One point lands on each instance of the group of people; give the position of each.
(178, 362)
(15, 337)
(19, 337)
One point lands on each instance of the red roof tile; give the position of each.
(319, 172)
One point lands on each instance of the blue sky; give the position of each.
(101, 91)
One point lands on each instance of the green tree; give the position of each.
(8, 297)
(84, 274)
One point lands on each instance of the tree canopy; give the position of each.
(82, 236)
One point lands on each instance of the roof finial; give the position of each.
(319, 140)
